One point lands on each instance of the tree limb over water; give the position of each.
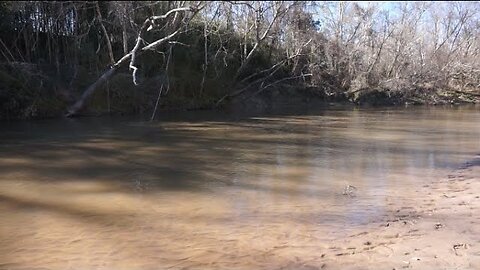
(232, 50)
(148, 25)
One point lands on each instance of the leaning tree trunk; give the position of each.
(81, 102)
(130, 57)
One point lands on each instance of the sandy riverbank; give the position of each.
(438, 229)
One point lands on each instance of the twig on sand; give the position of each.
(349, 190)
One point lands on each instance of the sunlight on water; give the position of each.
(213, 193)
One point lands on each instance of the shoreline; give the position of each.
(245, 112)
(437, 230)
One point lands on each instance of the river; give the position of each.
(205, 190)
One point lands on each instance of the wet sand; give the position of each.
(437, 228)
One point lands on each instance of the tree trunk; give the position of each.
(136, 51)
(105, 33)
(73, 110)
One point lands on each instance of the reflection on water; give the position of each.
(204, 191)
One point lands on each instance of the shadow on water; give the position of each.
(191, 155)
(178, 155)
(223, 172)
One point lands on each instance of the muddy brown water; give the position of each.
(202, 191)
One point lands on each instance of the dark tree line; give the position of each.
(216, 51)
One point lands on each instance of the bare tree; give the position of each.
(172, 18)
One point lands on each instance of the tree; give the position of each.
(174, 21)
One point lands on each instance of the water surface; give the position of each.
(205, 190)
